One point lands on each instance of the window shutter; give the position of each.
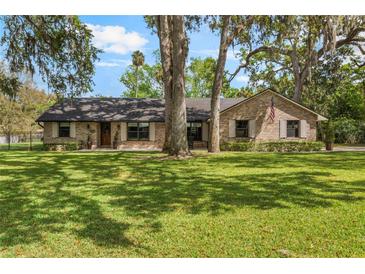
(54, 129)
(252, 128)
(303, 128)
(73, 129)
(123, 131)
(205, 131)
(282, 126)
(232, 128)
(152, 132)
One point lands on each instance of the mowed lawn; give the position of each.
(138, 204)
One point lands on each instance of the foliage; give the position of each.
(137, 62)
(289, 47)
(337, 86)
(58, 47)
(200, 77)
(329, 132)
(69, 146)
(10, 117)
(348, 131)
(133, 204)
(9, 82)
(287, 146)
(149, 81)
(19, 112)
(232, 92)
(137, 58)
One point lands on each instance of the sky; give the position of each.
(119, 36)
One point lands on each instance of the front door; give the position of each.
(105, 134)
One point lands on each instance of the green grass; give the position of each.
(135, 204)
(22, 146)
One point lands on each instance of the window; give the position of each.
(292, 128)
(64, 129)
(242, 128)
(194, 131)
(138, 131)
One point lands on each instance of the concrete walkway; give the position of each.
(349, 148)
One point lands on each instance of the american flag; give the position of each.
(272, 110)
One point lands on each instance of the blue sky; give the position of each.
(119, 36)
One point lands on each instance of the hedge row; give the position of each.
(290, 146)
(61, 147)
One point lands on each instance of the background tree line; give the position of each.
(21, 103)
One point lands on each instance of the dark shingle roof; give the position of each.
(126, 109)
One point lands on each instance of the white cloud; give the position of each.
(107, 64)
(242, 79)
(115, 39)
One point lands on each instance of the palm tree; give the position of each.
(137, 61)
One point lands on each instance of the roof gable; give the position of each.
(320, 117)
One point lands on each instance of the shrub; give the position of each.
(329, 133)
(238, 146)
(280, 146)
(61, 147)
(349, 131)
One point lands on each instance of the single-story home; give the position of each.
(134, 123)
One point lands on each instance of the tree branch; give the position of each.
(250, 55)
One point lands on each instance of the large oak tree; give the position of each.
(59, 48)
(294, 44)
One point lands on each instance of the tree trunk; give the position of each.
(179, 144)
(164, 34)
(9, 140)
(298, 90)
(298, 76)
(30, 141)
(213, 145)
(136, 91)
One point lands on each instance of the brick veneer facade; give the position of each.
(258, 108)
(82, 131)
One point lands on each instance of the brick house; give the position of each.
(130, 123)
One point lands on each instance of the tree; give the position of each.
(232, 92)
(337, 86)
(164, 30)
(179, 144)
(9, 82)
(32, 102)
(9, 117)
(58, 47)
(200, 77)
(171, 32)
(149, 78)
(295, 44)
(137, 61)
(9, 109)
(230, 27)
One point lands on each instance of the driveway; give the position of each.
(349, 148)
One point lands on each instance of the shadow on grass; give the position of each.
(68, 192)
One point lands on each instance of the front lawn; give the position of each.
(134, 204)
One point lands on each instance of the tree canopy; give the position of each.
(58, 47)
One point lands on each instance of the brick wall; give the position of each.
(157, 144)
(258, 108)
(81, 134)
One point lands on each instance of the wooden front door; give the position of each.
(105, 134)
